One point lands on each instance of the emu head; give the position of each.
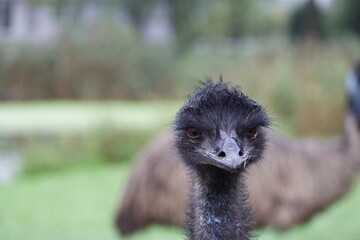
(220, 126)
(353, 90)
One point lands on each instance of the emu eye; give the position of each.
(192, 133)
(252, 133)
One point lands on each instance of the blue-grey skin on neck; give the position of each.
(218, 206)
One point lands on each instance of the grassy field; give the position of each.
(74, 204)
(69, 117)
(80, 204)
(79, 201)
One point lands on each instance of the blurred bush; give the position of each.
(44, 154)
(109, 65)
(302, 84)
(345, 17)
(307, 22)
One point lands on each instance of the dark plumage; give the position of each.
(306, 175)
(218, 132)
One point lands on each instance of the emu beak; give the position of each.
(230, 157)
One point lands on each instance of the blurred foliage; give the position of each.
(306, 22)
(192, 20)
(346, 17)
(229, 18)
(117, 67)
(295, 81)
(49, 153)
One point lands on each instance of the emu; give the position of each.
(307, 175)
(217, 133)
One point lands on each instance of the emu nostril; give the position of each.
(241, 153)
(222, 154)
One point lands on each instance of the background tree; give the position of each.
(348, 16)
(239, 15)
(306, 22)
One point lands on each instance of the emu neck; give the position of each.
(351, 141)
(217, 205)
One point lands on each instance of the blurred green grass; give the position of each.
(80, 203)
(53, 135)
(73, 117)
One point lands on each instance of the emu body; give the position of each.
(307, 175)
